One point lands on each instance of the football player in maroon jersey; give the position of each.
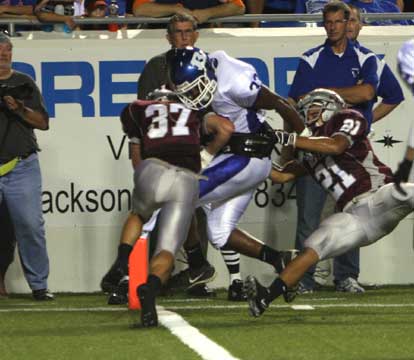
(340, 158)
(166, 177)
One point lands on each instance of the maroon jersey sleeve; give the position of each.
(349, 123)
(353, 172)
(168, 131)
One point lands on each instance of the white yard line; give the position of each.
(199, 307)
(302, 307)
(192, 337)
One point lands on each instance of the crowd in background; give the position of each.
(66, 12)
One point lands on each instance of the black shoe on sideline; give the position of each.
(255, 296)
(111, 279)
(149, 317)
(236, 291)
(179, 281)
(190, 278)
(290, 294)
(201, 275)
(42, 295)
(201, 291)
(120, 296)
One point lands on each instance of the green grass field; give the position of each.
(378, 325)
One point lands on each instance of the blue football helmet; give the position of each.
(319, 105)
(192, 77)
(405, 59)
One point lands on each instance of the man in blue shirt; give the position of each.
(351, 70)
(390, 92)
(389, 89)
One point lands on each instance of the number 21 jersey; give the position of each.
(353, 172)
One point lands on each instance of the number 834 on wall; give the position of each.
(276, 195)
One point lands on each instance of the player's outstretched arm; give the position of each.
(268, 100)
(221, 129)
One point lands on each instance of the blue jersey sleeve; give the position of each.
(301, 81)
(369, 72)
(389, 88)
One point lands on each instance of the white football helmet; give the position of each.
(405, 59)
(320, 104)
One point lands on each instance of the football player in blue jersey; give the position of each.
(231, 88)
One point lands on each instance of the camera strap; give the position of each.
(8, 166)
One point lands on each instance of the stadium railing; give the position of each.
(248, 18)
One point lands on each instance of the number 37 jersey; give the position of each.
(167, 131)
(354, 172)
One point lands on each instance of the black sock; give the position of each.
(154, 283)
(269, 255)
(123, 256)
(195, 257)
(276, 288)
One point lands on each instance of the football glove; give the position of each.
(284, 138)
(401, 175)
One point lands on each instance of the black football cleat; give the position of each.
(201, 290)
(201, 275)
(111, 279)
(179, 281)
(189, 278)
(236, 291)
(256, 295)
(149, 317)
(290, 294)
(120, 296)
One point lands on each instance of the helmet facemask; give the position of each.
(319, 106)
(199, 93)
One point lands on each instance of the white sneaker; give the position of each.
(303, 290)
(349, 285)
